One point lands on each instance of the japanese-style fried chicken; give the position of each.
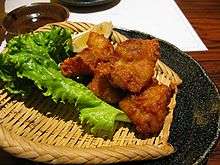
(101, 86)
(135, 68)
(95, 60)
(127, 70)
(148, 110)
(132, 76)
(104, 90)
(138, 49)
(100, 50)
(75, 66)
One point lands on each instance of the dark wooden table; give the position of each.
(204, 15)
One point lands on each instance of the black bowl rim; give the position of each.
(211, 147)
(86, 3)
(29, 6)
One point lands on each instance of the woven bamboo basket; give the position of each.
(40, 130)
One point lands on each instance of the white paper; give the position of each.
(160, 18)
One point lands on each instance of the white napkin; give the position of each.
(161, 18)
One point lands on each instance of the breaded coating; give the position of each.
(132, 76)
(148, 110)
(75, 66)
(101, 86)
(138, 49)
(135, 68)
(104, 69)
(100, 50)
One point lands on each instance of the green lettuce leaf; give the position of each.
(31, 60)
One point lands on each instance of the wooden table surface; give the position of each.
(204, 15)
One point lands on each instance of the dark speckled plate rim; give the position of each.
(85, 2)
(211, 147)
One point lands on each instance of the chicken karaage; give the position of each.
(126, 70)
(147, 111)
(135, 68)
(99, 50)
(102, 88)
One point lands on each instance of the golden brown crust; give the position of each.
(148, 110)
(135, 68)
(99, 50)
(137, 49)
(101, 86)
(75, 66)
(132, 77)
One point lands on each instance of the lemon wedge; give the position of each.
(79, 41)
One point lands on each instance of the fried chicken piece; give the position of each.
(75, 66)
(148, 110)
(96, 60)
(132, 76)
(104, 69)
(100, 50)
(104, 90)
(135, 68)
(101, 86)
(138, 49)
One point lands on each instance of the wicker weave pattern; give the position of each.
(40, 130)
(22, 147)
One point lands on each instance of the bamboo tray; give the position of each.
(40, 130)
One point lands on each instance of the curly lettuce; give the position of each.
(31, 61)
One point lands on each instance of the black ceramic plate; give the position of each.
(85, 2)
(195, 127)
